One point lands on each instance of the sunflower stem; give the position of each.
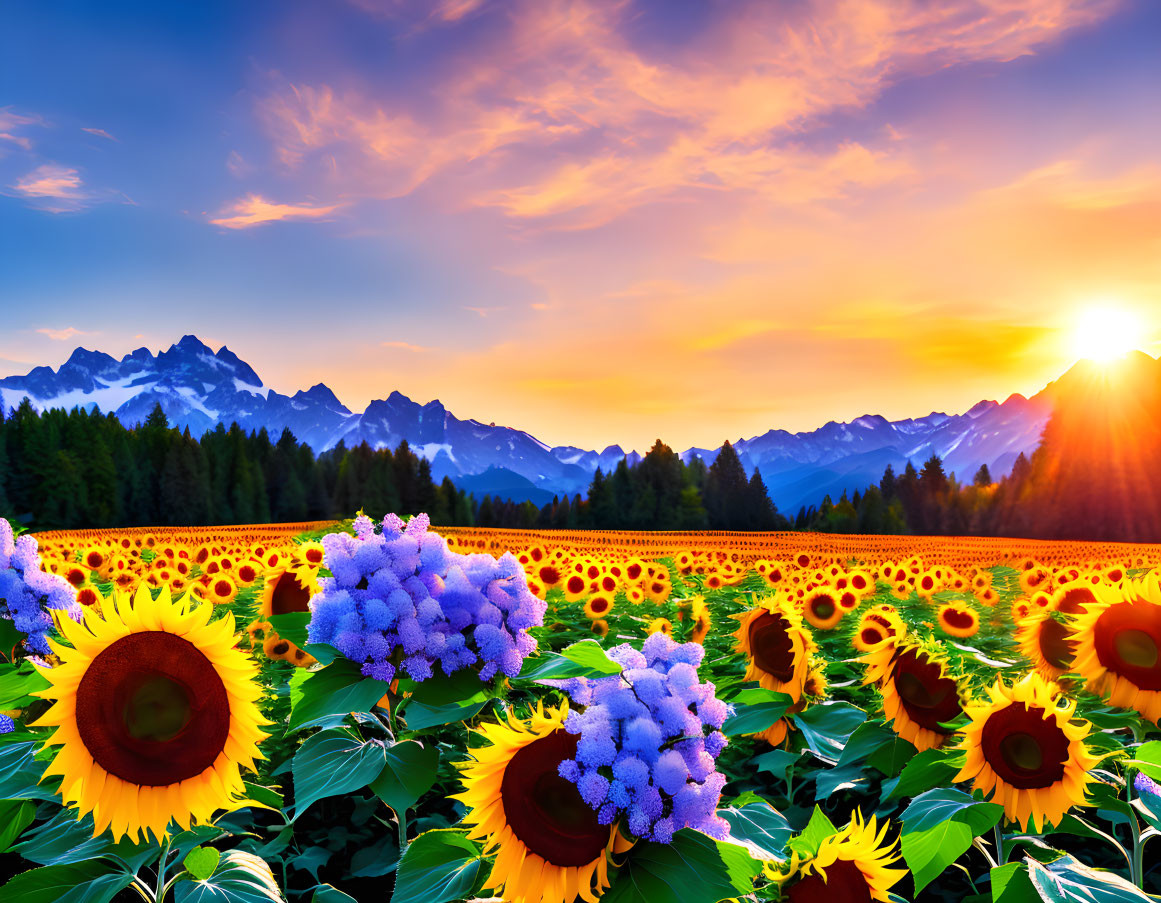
(1000, 857)
(162, 888)
(402, 819)
(142, 889)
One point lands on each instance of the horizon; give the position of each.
(601, 221)
(682, 449)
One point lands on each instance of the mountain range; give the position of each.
(199, 388)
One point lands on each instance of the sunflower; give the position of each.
(306, 560)
(1024, 750)
(550, 846)
(664, 625)
(598, 606)
(956, 619)
(702, 621)
(822, 608)
(879, 624)
(600, 627)
(222, 590)
(777, 647)
(156, 712)
(1118, 645)
(918, 693)
(1043, 638)
(851, 866)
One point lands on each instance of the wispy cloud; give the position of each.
(406, 346)
(12, 124)
(254, 210)
(62, 335)
(54, 188)
(482, 311)
(100, 133)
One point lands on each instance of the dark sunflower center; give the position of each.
(1055, 646)
(771, 647)
(599, 605)
(871, 636)
(152, 709)
(928, 698)
(1023, 747)
(549, 574)
(958, 618)
(1074, 600)
(289, 595)
(844, 883)
(546, 812)
(1127, 637)
(823, 607)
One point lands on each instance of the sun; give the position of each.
(1105, 333)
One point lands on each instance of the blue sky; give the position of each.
(599, 222)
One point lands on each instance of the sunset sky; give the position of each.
(598, 222)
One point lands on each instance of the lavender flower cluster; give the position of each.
(649, 740)
(1146, 784)
(27, 593)
(400, 600)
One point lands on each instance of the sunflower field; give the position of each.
(378, 711)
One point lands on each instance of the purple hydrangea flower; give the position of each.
(398, 598)
(1146, 784)
(648, 741)
(28, 594)
(7, 725)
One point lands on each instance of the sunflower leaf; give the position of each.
(334, 762)
(15, 816)
(692, 869)
(443, 700)
(759, 826)
(948, 804)
(291, 626)
(583, 659)
(930, 769)
(1065, 880)
(201, 862)
(755, 710)
(438, 867)
(818, 829)
(91, 881)
(409, 773)
(338, 689)
(240, 878)
(827, 726)
(18, 683)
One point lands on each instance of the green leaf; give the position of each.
(15, 816)
(892, 757)
(92, 881)
(1148, 804)
(818, 829)
(20, 773)
(867, 739)
(928, 852)
(201, 862)
(409, 773)
(291, 626)
(325, 893)
(759, 826)
(1067, 881)
(829, 781)
(334, 762)
(268, 796)
(755, 710)
(1010, 884)
(311, 860)
(323, 652)
(692, 869)
(18, 683)
(938, 828)
(63, 840)
(583, 659)
(928, 770)
(775, 762)
(337, 689)
(439, 867)
(1148, 759)
(444, 700)
(377, 860)
(10, 638)
(827, 726)
(937, 806)
(241, 878)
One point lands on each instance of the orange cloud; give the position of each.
(62, 335)
(406, 346)
(254, 210)
(54, 188)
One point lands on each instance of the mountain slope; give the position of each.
(199, 388)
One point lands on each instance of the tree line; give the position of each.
(81, 469)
